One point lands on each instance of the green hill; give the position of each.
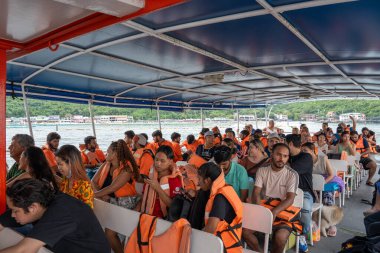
(371, 108)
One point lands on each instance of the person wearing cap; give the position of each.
(206, 150)
(201, 138)
(158, 141)
(273, 139)
(144, 156)
(49, 149)
(176, 140)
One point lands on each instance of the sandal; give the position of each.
(332, 231)
(370, 184)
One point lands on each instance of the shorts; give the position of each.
(365, 161)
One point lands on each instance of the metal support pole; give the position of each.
(270, 110)
(257, 127)
(158, 117)
(3, 167)
(202, 123)
(26, 109)
(266, 117)
(238, 121)
(92, 116)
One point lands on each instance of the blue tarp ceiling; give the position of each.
(215, 54)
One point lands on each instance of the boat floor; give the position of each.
(353, 221)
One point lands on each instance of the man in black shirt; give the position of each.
(60, 222)
(206, 151)
(302, 163)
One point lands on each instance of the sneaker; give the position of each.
(303, 244)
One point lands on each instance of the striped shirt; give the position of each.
(14, 171)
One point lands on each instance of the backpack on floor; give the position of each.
(360, 244)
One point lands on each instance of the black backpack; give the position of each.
(361, 244)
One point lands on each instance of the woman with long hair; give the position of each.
(34, 162)
(74, 181)
(346, 145)
(115, 182)
(256, 158)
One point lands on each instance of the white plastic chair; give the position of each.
(298, 202)
(351, 161)
(260, 219)
(139, 187)
(124, 221)
(340, 166)
(318, 185)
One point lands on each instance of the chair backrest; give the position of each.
(257, 218)
(139, 187)
(338, 165)
(298, 200)
(357, 156)
(318, 182)
(124, 221)
(9, 237)
(351, 160)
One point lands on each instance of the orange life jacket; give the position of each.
(126, 190)
(201, 140)
(288, 217)
(50, 156)
(177, 151)
(264, 140)
(196, 160)
(372, 146)
(142, 240)
(360, 146)
(190, 177)
(244, 147)
(163, 143)
(193, 146)
(144, 158)
(289, 214)
(93, 158)
(230, 234)
(150, 195)
(217, 141)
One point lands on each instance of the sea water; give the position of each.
(106, 133)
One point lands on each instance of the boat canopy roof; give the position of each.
(217, 54)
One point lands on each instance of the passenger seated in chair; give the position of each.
(74, 179)
(277, 181)
(163, 184)
(234, 174)
(223, 210)
(92, 156)
(60, 222)
(373, 215)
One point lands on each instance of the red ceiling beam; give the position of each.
(83, 26)
(3, 167)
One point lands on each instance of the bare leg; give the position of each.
(251, 240)
(280, 238)
(114, 241)
(372, 166)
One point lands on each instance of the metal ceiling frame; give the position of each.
(268, 10)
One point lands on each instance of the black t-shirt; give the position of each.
(303, 164)
(222, 209)
(68, 225)
(206, 154)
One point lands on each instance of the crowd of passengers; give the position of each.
(51, 190)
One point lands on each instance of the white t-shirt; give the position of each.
(276, 184)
